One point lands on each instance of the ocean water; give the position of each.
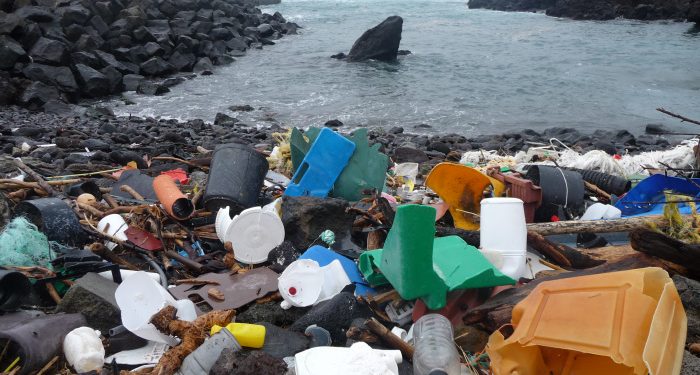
(471, 72)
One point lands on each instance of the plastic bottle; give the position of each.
(435, 352)
(248, 335)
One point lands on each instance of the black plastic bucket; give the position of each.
(236, 175)
(14, 286)
(607, 182)
(55, 219)
(560, 188)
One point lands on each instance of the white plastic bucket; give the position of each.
(117, 228)
(305, 283)
(504, 235)
(83, 350)
(139, 297)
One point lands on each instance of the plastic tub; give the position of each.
(504, 235)
(235, 178)
(253, 234)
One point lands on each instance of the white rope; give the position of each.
(566, 186)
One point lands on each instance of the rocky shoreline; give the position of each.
(61, 51)
(60, 143)
(646, 10)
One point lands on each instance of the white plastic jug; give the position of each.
(359, 359)
(504, 235)
(115, 226)
(83, 350)
(305, 283)
(598, 211)
(139, 297)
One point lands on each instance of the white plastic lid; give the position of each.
(301, 283)
(253, 234)
(223, 220)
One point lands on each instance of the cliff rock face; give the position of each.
(599, 9)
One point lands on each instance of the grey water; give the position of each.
(470, 72)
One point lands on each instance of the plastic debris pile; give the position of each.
(324, 256)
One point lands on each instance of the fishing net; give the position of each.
(21, 244)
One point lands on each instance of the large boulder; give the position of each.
(10, 52)
(584, 9)
(35, 13)
(94, 83)
(694, 12)
(59, 76)
(74, 14)
(512, 5)
(8, 90)
(48, 51)
(37, 94)
(9, 23)
(156, 67)
(380, 42)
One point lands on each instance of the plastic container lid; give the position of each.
(253, 234)
(223, 220)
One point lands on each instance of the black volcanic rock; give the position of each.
(379, 43)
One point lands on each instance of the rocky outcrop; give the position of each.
(599, 9)
(694, 11)
(74, 49)
(379, 43)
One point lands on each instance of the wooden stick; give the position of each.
(389, 338)
(682, 118)
(110, 200)
(37, 177)
(53, 293)
(92, 210)
(539, 243)
(52, 183)
(47, 366)
(130, 190)
(596, 226)
(598, 191)
(187, 262)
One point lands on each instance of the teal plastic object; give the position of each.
(366, 170)
(418, 265)
(321, 166)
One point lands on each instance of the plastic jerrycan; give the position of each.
(248, 335)
(504, 235)
(321, 166)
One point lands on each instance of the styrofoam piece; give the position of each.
(223, 220)
(504, 235)
(253, 234)
(598, 211)
(139, 297)
(115, 226)
(305, 283)
(84, 350)
(126, 273)
(147, 355)
(359, 359)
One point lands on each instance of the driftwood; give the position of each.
(497, 311)
(667, 248)
(561, 255)
(596, 226)
(389, 338)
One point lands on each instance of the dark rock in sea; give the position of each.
(657, 129)
(409, 154)
(694, 12)
(396, 130)
(151, 88)
(61, 108)
(606, 146)
(241, 108)
(512, 5)
(379, 43)
(156, 67)
(333, 123)
(225, 120)
(583, 9)
(339, 56)
(403, 52)
(422, 126)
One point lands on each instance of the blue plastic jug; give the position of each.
(322, 165)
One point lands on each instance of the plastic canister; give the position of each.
(84, 350)
(305, 283)
(139, 297)
(115, 226)
(205, 356)
(248, 335)
(435, 351)
(504, 235)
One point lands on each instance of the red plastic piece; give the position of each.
(521, 188)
